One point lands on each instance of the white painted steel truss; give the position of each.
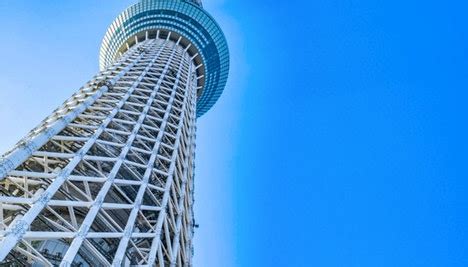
(107, 179)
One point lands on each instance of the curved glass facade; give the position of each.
(186, 18)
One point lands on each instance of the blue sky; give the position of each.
(340, 139)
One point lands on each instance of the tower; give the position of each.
(107, 179)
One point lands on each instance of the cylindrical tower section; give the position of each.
(186, 18)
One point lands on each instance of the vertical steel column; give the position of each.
(71, 252)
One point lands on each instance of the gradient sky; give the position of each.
(340, 139)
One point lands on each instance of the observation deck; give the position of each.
(150, 19)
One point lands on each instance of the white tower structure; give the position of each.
(108, 178)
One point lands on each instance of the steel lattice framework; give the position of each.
(107, 179)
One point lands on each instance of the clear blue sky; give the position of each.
(340, 139)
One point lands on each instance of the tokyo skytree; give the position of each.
(108, 178)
